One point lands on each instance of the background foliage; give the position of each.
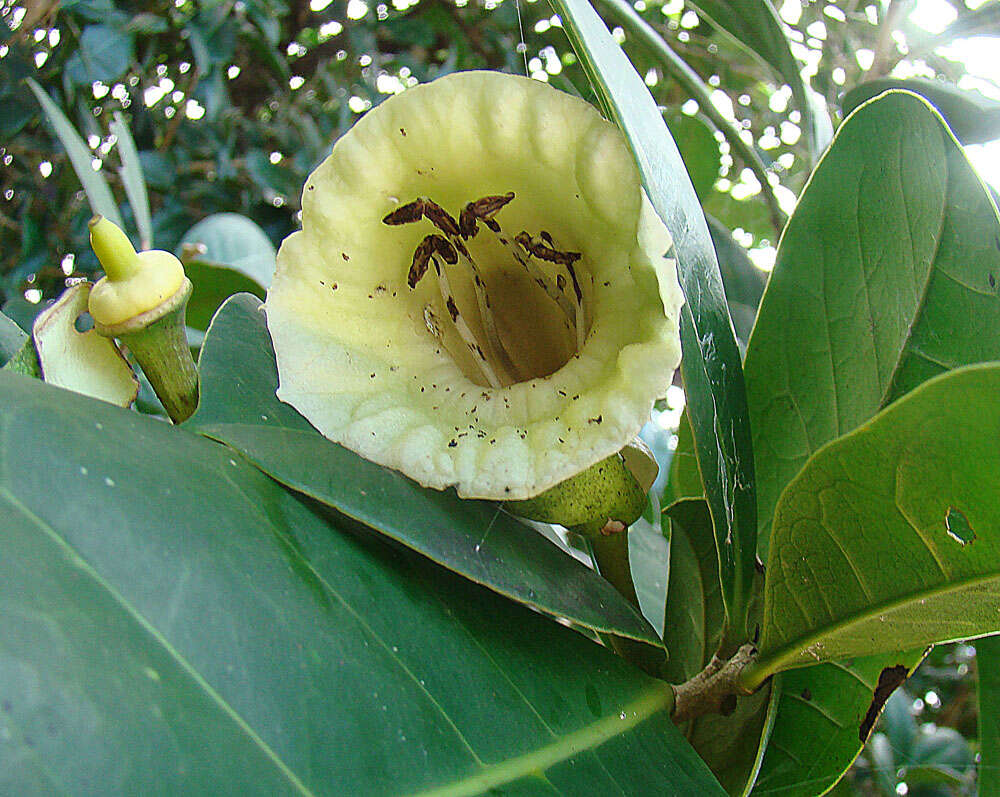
(231, 104)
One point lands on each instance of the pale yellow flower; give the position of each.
(551, 363)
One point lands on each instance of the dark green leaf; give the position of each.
(862, 557)
(816, 730)
(104, 54)
(811, 364)
(988, 666)
(972, 116)
(22, 312)
(888, 273)
(213, 284)
(732, 746)
(711, 366)
(473, 538)
(175, 621)
(743, 281)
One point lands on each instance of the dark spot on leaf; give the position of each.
(888, 680)
(598, 419)
(807, 695)
(957, 526)
(402, 132)
(344, 255)
(992, 280)
(727, 705)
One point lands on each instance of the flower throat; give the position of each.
(546, 267)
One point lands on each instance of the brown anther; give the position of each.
(467, 225)
(560, 282)
(544, 252)
(489, 206)
(406, 214)
(421, 258)
(444, 248)
(440, 217)
(492, 224)
(452, 309)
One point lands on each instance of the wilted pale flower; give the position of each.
(481, 294)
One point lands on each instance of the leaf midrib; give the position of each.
(654, 699)
(165, 645)
(790, 649)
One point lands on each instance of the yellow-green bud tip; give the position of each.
(136, 282)
(113, 248)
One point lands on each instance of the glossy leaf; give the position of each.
(988, 666)
(711, 365)
(213, 284)
(206, 627)
(473, 538)
(868, 555)
(732, 746)
(973, 117)
(887, 274)
(817, 726)
(810, 363)
(756, 25)
(94, 184)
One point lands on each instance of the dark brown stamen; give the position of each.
(489, 206)
(406, 214)
(421, 258)
(440, 217)
(467, 222)
(445, 249)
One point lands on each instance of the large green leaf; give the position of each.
(887, 274)
(756, 25)
(817, 730)
(473, 538)
(988, 665)
(711, 366)
(819, 366)
(731, 745)
(176, 622)
(890, 537)
(972, 116)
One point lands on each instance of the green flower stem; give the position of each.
(600, 504)
(610, 555)
(159, 343)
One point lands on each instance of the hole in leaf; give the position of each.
(957, 526)
(83, 323)
(888, 680)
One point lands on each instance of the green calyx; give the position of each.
(591, 503)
